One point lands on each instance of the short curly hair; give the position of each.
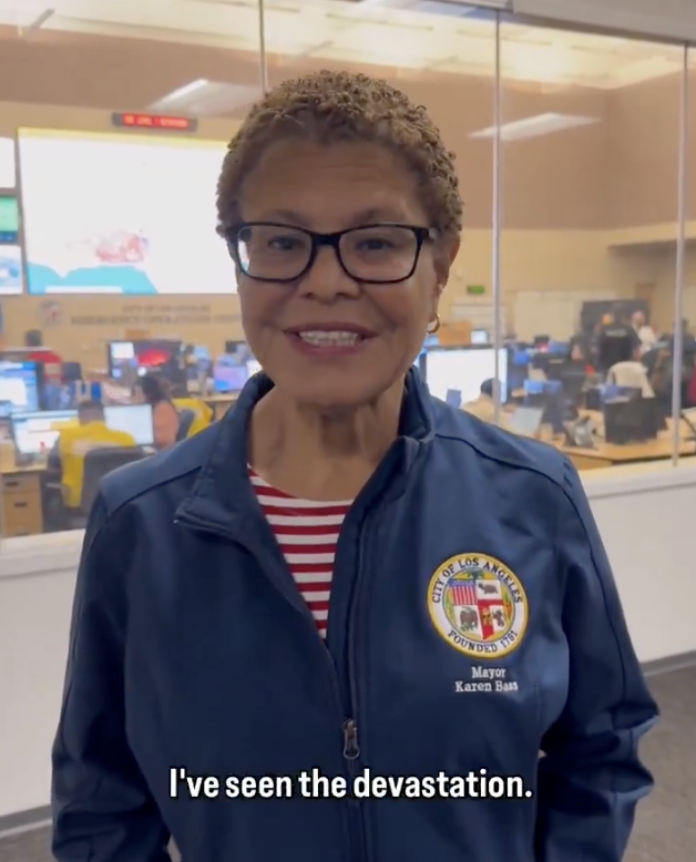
(340, 106)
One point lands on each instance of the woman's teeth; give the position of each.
(330, 339)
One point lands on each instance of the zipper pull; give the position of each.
(351, 749)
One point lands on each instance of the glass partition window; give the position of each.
(590, 131)
(111, 269)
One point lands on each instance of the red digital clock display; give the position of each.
(153, 121)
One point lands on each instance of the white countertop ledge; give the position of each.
(32, 556)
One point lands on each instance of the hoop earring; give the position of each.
(434, 325)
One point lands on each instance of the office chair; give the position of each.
(98, 463)
(186, 420)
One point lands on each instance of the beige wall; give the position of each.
(619, 172)
(562, 193)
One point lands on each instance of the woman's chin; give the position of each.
(338, 395)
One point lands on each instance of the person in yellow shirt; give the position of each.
(203, 413)
(75, 442)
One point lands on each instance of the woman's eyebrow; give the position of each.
(367, 216)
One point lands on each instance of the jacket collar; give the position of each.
(223, 492)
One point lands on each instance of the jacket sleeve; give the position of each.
(591, 778)
(102, 810)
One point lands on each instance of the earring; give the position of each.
(434, 325)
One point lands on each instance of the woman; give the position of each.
(346, 574)
(153, 390)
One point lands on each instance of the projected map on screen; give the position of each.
(121, 215)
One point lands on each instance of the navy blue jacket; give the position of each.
(474, 623)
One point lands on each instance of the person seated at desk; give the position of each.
(484, 406)
(202, 412)
(631, 374)
(67, 459)
(153, 390)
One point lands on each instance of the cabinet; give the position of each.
(20, 504)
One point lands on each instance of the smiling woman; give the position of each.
(315, 586)
(338, 185)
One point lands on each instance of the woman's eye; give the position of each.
(374, 244)
(284, 243)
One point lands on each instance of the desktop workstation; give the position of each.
(547, 389)
(31, 492)
(550, 392)
(35, 411)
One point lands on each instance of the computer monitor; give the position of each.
(521, 357)
(128, 360)
(230, 373)
(534, 387)
(612, 393)
(572, 374)
(559, 348)
(546, 362)
(526, 421)
(19, 387)
(480, 336)
(465, 369)
(547, 395)
(133, 419)
(454, 398)
(36, 433)
(631, 420)
(121, 358)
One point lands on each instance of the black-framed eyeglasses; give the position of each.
(374, 253)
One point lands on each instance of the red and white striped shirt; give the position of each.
(307, 532)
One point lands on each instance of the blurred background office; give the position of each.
(563, 293)
(571, 308)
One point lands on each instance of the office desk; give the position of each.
(610, 454)
(21, 505)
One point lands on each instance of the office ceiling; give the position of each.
(418, 35)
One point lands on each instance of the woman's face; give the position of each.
(327, 189)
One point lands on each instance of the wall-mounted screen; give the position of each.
(9, 220)
(10, 251)
(117, 214)
(8, 175)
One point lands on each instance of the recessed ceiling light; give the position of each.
(207, 98)
(534, 127)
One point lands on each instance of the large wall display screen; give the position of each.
(114, 214)
(10, 252)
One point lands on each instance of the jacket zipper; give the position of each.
(351, 748)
